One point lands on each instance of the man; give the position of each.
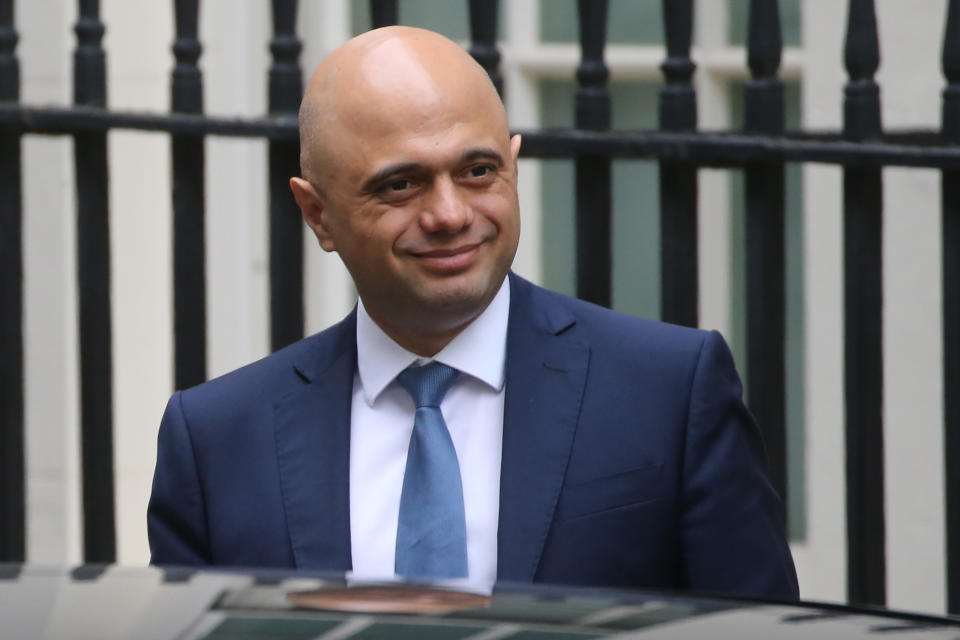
(575, 445)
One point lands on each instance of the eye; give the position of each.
(480, 171)
(397, 189)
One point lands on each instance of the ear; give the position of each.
(314, 211)
(515, 152)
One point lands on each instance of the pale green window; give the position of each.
(449, 17)
(641, 21)
(628, 21)
(636, 221)
(789, 22)
(793, 230)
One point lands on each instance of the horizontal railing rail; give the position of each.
(705, 148)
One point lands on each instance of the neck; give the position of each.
(424, 336)
(423, 346)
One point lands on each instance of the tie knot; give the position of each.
(427, 384)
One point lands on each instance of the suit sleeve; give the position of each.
(176, 516)
(732, 525)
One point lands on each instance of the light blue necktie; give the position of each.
(432, 529)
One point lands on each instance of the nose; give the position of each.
(446, 209)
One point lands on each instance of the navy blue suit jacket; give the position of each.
(628, 459)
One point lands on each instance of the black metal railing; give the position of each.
(189, 237)
(679, 286)
(93, 285)
(950, 192)
(286, 244)
(760, 150)
(863, 314)
(765, 215)
(12, 466)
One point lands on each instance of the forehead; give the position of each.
(388, 101)
(432, 125)
(405, 96)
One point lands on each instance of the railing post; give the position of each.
(766, 303)
(93, 270)
(679, 288)
(593, 176)
(286, 234)
(12, 468)
(863, 313)
(383, 13)
(950, 191)
(189, 245)
(483, 36)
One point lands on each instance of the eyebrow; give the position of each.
(374, 181)
(479, 153)
(482, 153)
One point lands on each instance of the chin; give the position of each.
(465, 299)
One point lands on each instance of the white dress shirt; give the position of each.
(381, 424)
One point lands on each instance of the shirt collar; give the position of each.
(479, 350)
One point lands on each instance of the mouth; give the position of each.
(448, 260)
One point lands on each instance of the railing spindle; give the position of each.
(593, 171)
(93, 270)
(863, 313)
(766, 305)
(950, 191)
(189, 245)
(286, 234)
(12, 468)
(383, 13)
(678, 180)
(483, 36)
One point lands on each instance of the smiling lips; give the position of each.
(448, 260)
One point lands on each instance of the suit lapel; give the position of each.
(545, 378)
(313, 451)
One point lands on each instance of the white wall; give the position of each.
(912, 316)
(821, 559)
(50, 358)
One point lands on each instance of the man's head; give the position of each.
(410, 174)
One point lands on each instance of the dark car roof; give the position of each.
(119, 602)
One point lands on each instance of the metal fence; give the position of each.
(760, 150)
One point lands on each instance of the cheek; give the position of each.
(497, 206)
(386, 234)
(500, 210)
(373, 225)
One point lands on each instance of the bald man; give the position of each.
(569, 444)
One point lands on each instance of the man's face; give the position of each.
(420, 201)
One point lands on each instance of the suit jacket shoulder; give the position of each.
(272, 377)
(250, 464)
(629, 343)
(662, 480)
